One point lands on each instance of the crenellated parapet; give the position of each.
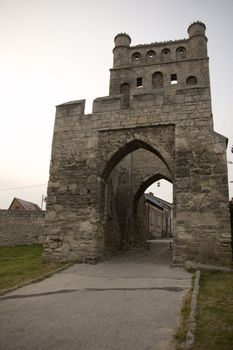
(158, 65)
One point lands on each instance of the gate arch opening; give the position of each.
(129, 172)
(153, 220)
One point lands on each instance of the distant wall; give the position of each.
(21, 227)
(231, 211)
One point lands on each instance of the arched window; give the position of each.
(157, 80)
(192, 80)
(166, 55)
(136, 57)
(180, 53)
(150, 56)
(125, 90)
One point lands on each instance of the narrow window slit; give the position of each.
(139, 82)
(173, 79)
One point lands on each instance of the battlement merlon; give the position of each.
(68, 114)
(71, 109)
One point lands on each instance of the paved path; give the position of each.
(129, 302)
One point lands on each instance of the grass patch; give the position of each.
(214, 330)
(21, 264)
(215, 312)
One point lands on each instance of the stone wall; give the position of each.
(21, 227)
(231, 212)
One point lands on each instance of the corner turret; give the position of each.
(197, 40)
(121, 49)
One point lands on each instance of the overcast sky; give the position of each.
(53, 51)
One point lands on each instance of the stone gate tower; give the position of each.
(156, 123)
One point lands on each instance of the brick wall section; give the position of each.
(21, 227)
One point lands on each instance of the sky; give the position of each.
(54, 51)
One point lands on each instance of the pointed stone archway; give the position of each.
(122, 190)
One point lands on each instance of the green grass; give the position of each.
(215, 312)
(214, 329)
(20, 264)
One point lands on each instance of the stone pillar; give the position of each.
(202, 222)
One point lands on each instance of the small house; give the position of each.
(20, 204)
(159, 217)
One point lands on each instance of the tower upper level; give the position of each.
(158, 65)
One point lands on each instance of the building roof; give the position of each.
(157, 201)
(25, 205)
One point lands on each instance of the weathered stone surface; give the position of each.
(159, 104)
